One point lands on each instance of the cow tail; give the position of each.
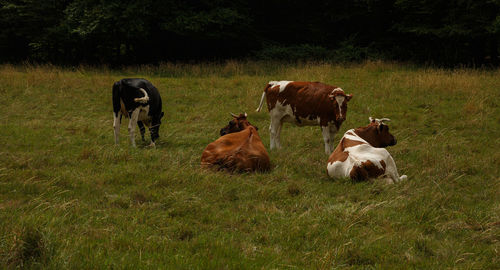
(262, 99)
(116, 98)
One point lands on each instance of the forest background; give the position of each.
(116, 33)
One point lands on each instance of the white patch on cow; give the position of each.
(339, 169)
(116, 125)
(143, 99)
(279, 114)
(364, 152)
(285, 111)
(340, 101)
(281, 84)
(338, 89)
(143, 113)
(132, 123)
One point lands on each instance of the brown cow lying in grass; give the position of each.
(238, 149)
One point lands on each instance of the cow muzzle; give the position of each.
(393, 142)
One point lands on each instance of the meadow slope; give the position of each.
(71, 199)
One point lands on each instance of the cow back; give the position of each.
(129, 90)
(240, 151)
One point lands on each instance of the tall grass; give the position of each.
(70, 198)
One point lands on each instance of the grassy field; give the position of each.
(71, 199)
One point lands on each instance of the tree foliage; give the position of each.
(149, 31)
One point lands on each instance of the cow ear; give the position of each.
(348, 97)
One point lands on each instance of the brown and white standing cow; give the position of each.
(361, 154)
(238, 149)
(305, 104)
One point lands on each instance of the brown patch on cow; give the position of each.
(366, 171)
(122, 108)
(308, 100)
(239, 152)
(350, 143)
(376, 135)
(271, 99)
(340, 154)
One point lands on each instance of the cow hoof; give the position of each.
(403, 177)
(152, 145)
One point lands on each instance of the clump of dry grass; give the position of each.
(28, 247)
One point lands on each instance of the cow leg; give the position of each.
(154, 135)
(142, 129)
(333, 130)
(272, 133)
(326, 138)
(275, 130)
(392, 172)
(278, 134)
(116, 125)
(131, 125)
(154, 129)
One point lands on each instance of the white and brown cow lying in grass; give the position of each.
(139, 100)
(238, 149)
(305, 104)
(360, 154)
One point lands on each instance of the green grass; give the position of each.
(71, 199)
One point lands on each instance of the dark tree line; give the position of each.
(445, 32)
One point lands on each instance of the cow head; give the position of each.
(238, 123)
(340, 99)
(377, 133)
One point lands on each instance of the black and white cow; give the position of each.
(139, 100)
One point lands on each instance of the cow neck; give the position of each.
(366, 134)
(244, 125)
(252, 131)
